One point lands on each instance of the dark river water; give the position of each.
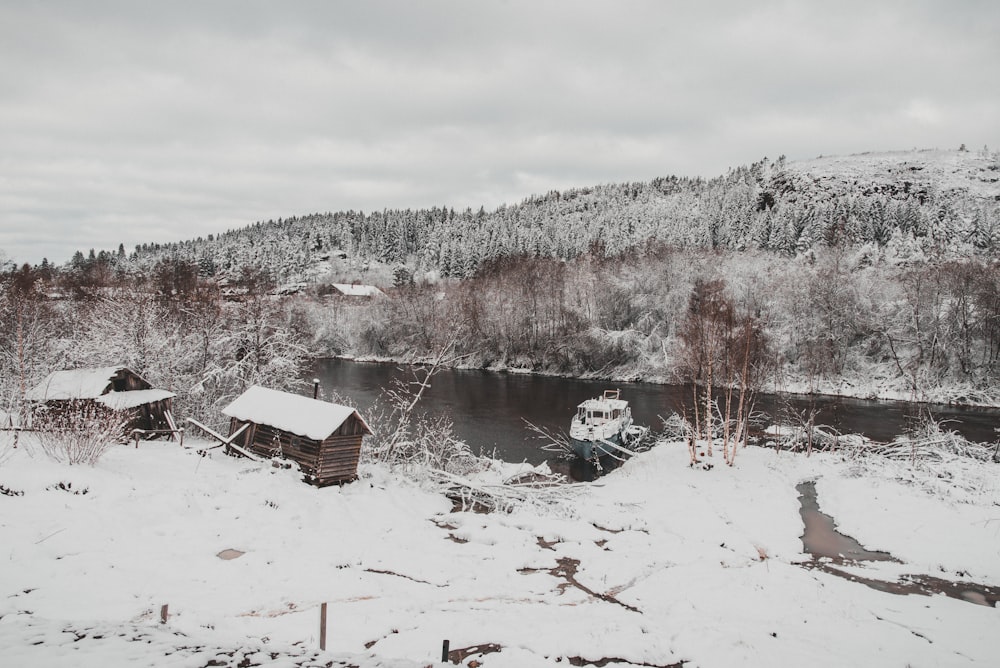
(489, 408)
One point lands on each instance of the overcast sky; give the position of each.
(131, 122)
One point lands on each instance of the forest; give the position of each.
(875, 277)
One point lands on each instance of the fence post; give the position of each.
(164, 613)
(322, 626)
(444, 651)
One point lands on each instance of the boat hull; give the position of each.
(587, 449)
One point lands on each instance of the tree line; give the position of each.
(834, 321)
(172, 326)
(841, 321)
(766, 206)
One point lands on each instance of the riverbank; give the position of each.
(656, 564)
(493, 409)
(876, 387)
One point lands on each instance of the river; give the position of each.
(489, 408)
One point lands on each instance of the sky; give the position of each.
(128, 122)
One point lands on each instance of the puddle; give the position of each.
(230, 554)
(829, 549)
(821, 538)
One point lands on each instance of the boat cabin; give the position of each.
(608, 408)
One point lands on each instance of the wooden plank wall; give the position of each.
(332, 461)
(338, 461)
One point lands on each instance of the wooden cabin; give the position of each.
(116, 388)
(323, 438)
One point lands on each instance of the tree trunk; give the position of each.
(708, 408)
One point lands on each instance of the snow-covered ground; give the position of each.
(656, 564)
(974, 171)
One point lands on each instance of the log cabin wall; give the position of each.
(338, 460)
(331, 461)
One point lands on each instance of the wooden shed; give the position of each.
(323, 438)
(116, 388)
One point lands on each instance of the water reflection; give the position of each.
(820, 537)
(489, 409)
(831, 549)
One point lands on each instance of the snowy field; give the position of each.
(658, 563)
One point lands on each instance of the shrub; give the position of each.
(79, 432)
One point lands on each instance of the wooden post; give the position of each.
(315, 388)
(163, 613)
(444, 651)
(322, 626)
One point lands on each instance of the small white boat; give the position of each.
(602, 426)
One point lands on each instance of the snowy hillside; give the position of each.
(930, 196)
(657, 564)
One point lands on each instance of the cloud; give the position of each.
(128, 122)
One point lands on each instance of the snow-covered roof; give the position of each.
(293, 413)
(358, 290)
(604, 404)
(74, 384)
(120, 401)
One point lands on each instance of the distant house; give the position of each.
(115, 387)
(358, 290)
(323, 438)
(290, 288)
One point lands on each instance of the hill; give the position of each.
(942, 203)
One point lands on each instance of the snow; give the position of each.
(945, 170)
(356, 290)
(9, 420)
(73, 384)
(293, 413)
(131, 399)
(656, 563)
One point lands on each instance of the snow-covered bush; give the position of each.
(940, 461)
(413, 441)
(80, 432)
(423, 444)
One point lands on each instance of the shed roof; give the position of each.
(74, 384)
(293, 413)
(354, 290)
(120, 401)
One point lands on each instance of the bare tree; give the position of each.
(724, 352)
(416, 440)
(705, 334)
